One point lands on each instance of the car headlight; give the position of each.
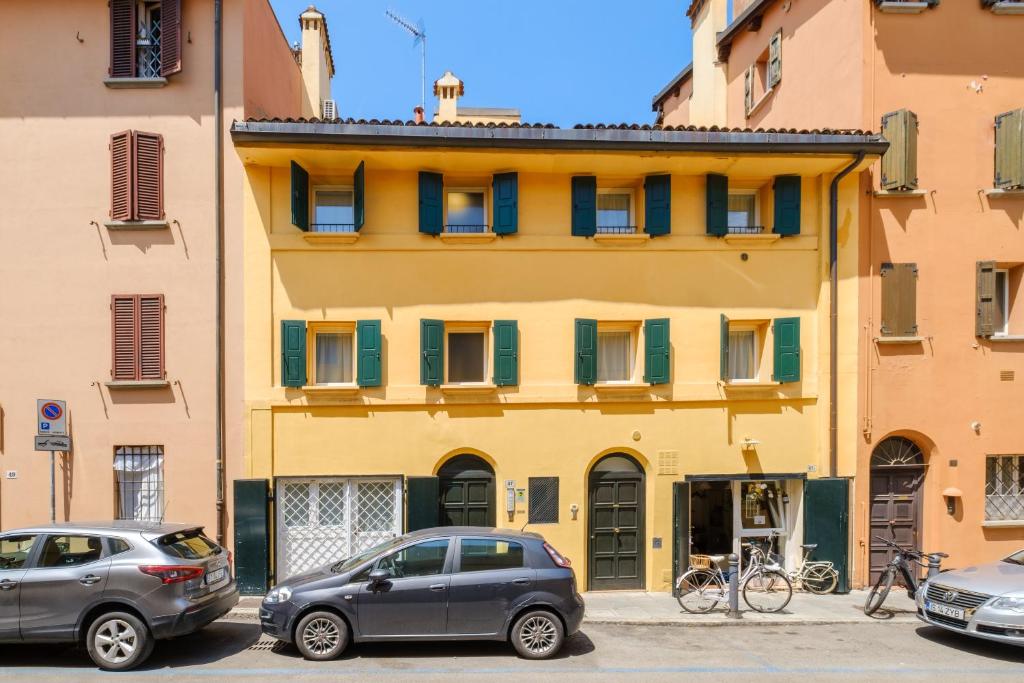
(278, 595)
(1015, 604)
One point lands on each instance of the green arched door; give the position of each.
(466, 492)
(616, 527)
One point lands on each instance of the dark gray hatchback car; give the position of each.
(447, 583)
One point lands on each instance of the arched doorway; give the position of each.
(467, 492)
(897, 475)
(616, 528)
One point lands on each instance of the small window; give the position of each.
(615, 211)
(147, 40)
(543, 500)
(333, 209)
(70, 551)
(139, 478)
(1004, 488)
(188, 545)
(333, 363)
(118, 546)
(422, 559)
(743, 212)
(482, 554)
(616, 353)
(14, 550)
(762, 507)
(1001, 320)
(744, 354)
(467, 356)
(467, 211)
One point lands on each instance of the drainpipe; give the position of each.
(218, 132)
(833, 322)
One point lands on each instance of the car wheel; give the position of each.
(321, 636)
(118, 641)
(538, 635)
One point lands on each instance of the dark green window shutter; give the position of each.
(293, 353)
(368, 372)
(899, 163)
(775, 59)
(985, 313)
(586, 351)
(723, 353)
(432, 352)
(359, 196)
(431, 203)
(657, 368)
(1010, 150)
(787, 350)
(718, 204)
(787, 205)
(658, 204)
(300, 197)
(252, 535)
(505, 190)
(423, 505)
(506, 353)
(584, 205)
(899, 299)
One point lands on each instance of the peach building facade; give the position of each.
(940, 306)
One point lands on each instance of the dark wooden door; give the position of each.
(895, 512)
(467, 502)
(616, 532)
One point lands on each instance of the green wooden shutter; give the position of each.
(899, 299)
(423, 503)
(505, 190)
(1010, 150)
(717, 204)
(506, 353)
(775, 59)
(300, 197)
(368, 366)
(657, 366)
(680, 531)
(787, 350)
(359, 196)
(826, 523)
(985, 311)
(787, 205)
(584, 205)
(431, 352)
(431, 203)
(658, 204)
(899, 163)
(293, 353)
(586, 351)
(252, 535)
(723, 349)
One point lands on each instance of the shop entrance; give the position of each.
(711, 518)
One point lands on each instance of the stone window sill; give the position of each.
(896, 7)
(620, 239)
(993, 192)
(137, 225)
(331, 237)
(467, 237)
(995, 523)
(743, 386)
(764, 98)
(1006, 338)
(1008, 8)
(901, 194)
(138, 384)
(743, 238)
(118, 83)
(621, 388)
(899, 340)
(338, 390)
(481, 389)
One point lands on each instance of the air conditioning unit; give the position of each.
(328, 109)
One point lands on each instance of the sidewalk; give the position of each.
(661, 609)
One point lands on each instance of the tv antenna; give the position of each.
(419, 35)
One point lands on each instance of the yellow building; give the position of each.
(593, 333)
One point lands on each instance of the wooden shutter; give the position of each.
(300, 197)
(170, 37)
(1010, 150)
(985, 312)
(723, 348)
(431, 203)
(359, 196)
(586, 351)
(505, 190)
(775, 59)
(293, 353)
(787, 205)
(148, 181)
(431, 352)
(151, 336)
(899, 299)
(423, 507)
(787, 350)
(506, 353)
(368, 365)
(717, 204)
(124, 337)
(584, 205)
(122, 38)
(748, 90)
(899, 163)
(658, 204)
(121, 193)
(657, 368)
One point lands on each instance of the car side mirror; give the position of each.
(379, 576)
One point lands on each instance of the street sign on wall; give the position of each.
(52, 416)
(53, 443)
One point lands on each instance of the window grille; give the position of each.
(147, 42)
(1004, 488)
(543, 500)
(139, 475)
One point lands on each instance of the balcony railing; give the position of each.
(746, 229)
(466, 229)
(332, 227)
(616, 229)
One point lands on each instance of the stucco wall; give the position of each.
(272, 78)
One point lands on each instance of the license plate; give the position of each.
(216, 576)
(945, 610)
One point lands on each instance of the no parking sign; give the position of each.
(52, 416)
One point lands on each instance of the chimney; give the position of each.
(448, 89)
(417, 114)
(707, 105)
(317, 62)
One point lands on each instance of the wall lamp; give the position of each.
(951, 495)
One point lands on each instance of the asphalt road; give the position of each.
(849, 652)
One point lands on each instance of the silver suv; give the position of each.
(117, 586)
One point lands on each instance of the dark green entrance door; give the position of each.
(616, 524)
(466, 492)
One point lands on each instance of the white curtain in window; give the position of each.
(140, 486)
(333, 358)
(613, 356)
(742, 355)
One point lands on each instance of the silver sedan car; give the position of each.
(985, 601)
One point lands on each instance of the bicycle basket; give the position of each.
(700, 562)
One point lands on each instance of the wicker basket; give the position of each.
(701, 562)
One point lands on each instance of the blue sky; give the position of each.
(558, 61)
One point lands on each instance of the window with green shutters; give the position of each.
(293, 353)
(787, 205)
(657, 357)
(1010, 150)
(506, 353)
(368, 353)
(300, 197)
(658, 204)
(457, 352)
(586, 351)
(717, 216)
(787, 350)
(432, 352)
(584, 206)
(359, 199)
(431, 203)
(899, 163)
(505, 197)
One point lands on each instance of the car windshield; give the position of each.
(356, 560)
(1016, 558)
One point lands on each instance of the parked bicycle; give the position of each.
(765, 587)
(902, 563)
(817, 576)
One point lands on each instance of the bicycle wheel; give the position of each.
(880, 590)
(820, 579)
(699, 590)
(767, 590)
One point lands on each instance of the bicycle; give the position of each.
(764, 585)
(900, 563)
(818, 576)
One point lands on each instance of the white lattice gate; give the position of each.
(323, 520)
